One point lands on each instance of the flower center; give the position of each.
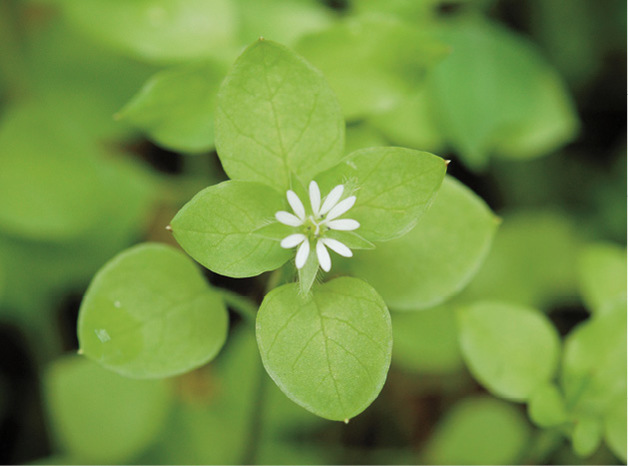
(314, 228)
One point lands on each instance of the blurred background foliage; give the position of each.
(106, 115)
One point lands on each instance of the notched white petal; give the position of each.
(341, 208)
(288, 219)
(332, 199)
(315, 198)
(302, 253)
(292, 240)
(337, 247)
(296, 204)
(323, 256)
(344, 224)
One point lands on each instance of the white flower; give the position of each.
(314, 226)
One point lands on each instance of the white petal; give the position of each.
(340, 208)
(337, 247)
(296, 204)
(292, 240)
(315, 197)
(288, 219)
(323, 256)
(332, 199)
(344, 224)
(302, 253)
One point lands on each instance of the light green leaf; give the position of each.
(101, 417)
(586, 435)
(158, 31)
(276, 116)
(512, 350)
(602, 273)
(176, 107)
(371, 62)
(437, 258)
(328, 351)
(426, 342)
(307, 274)
(494, 93)
(217, 228)
(149, 313)
(546, 406)
(478, 431)
(615, 427)
(393, 186)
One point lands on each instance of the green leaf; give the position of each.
(217, 228)
(176, 107)
(328, 351)
(546, 406)
(158, 31)
(511, 350)
(51, 183)
(426, 342)
(88, 404)
(307, 274)
(602, 273)
(437, 258)
(360, 135)
(150, 313)
(615, 427)
(276, 116)
(586, 436)
(494, 93)
(393, 186)
(371, 62)
(478, 431)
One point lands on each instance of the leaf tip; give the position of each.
(169, 227)
(261, 38)
(447, 162)
(80, 351)
(346, 421)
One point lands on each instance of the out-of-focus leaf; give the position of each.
(533, 261)
(494, 94)
(615, 427)
(362, 136)
(603, 275)
(328, 351)
(102, 417)
(176, 107)
(546, 406)
(478, 431)
(149, 313)
(426, 342)
(158, 31)
(371, 62)
(586, 435)
(435, 259)
(511, 350)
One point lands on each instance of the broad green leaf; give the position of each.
(372, 62)
(176, 107)
(276, 116)
(546, 406)
(157, 31)
(495, 94)
(150, 313)
(512, 350)
(426, 342)
(217, 228)
(328, 351)
(586, 435)
(393, 186)
(51, 184)
(101, 417)
(437, 258)
(478, 431)
(615, 427)
(603, 275)
(532, 261)
(594, 363)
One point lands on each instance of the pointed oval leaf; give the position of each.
(328, 351)
(150, 313)
(393, 186)
(435, 259)
(546, 406)
(510, 349)
(277, 116)
(218, 228)
(602, 274)
(176, 107)
(87, 403)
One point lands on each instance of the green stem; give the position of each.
(257, 420)
(244, 306)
